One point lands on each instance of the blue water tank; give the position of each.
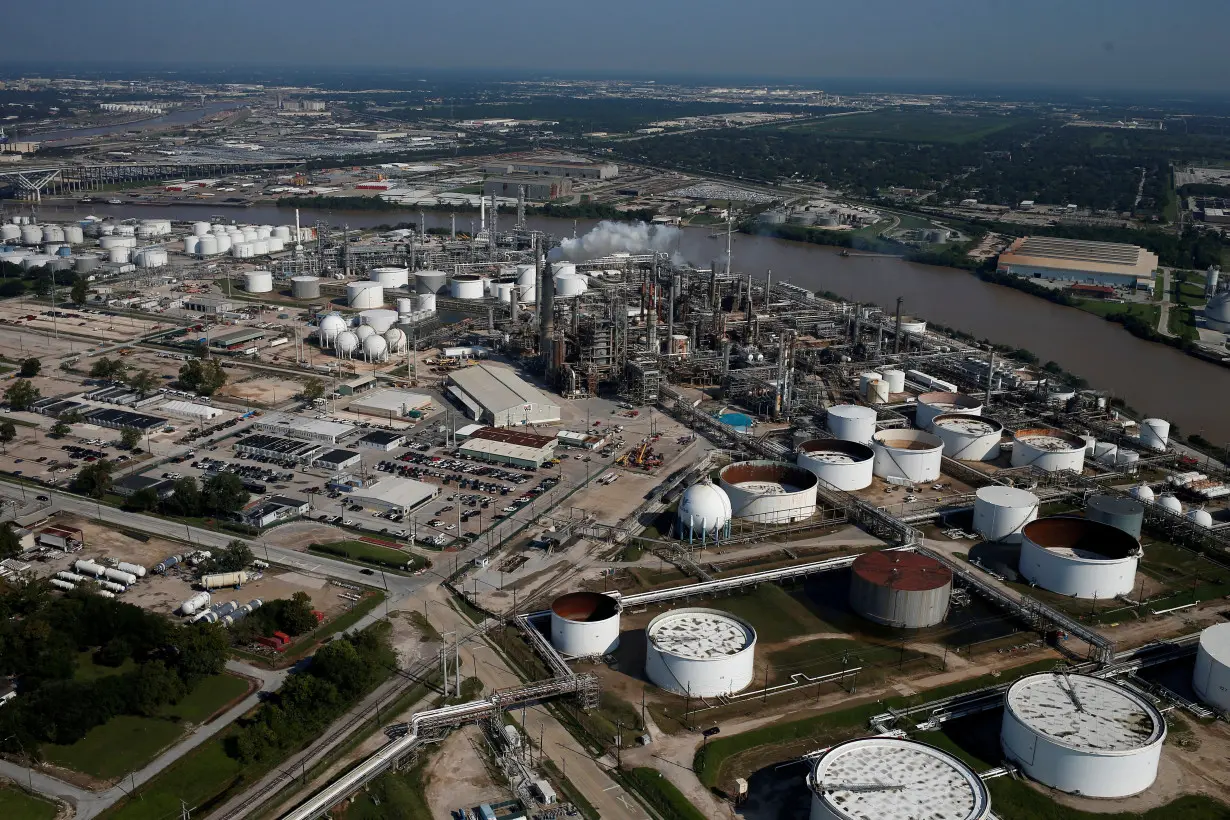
(64, 250)
(742, 422)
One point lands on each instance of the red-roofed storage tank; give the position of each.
(902, 589)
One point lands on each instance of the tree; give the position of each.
(224, 494)
(142, 381)
(11, 288)
(44, 285)
(296, 616)
(185, 498)
(94, 479)
(8, 432)
(21, 394)
(142, 500)
(313, 389)
(130, 438)
(202, 376)
(111, 369)
(236, 556)
(60, 429)
(10, 544)
(30, 368)
(80, 291)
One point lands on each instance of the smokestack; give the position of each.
(670, 313)
(546, 317)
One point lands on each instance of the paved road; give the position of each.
(1163, 322)
(90, 804)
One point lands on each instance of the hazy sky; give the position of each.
(1086, 43)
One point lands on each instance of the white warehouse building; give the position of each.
(500, 397)
(394, 494)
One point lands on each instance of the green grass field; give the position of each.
(208, 697)
(87, 670)
(775, 614)
(17, 805)
(1149, 312)
(670, 803)
(196, 779)
(912, 126)
(373, 554)
(121, 745)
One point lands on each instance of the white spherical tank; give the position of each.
(846, 465)
(1211, 678)
(968, 438)
(851, 422)
(1001, 513)
(1079, 557)
(330, 326)
(305, 287)
(1082, 735)
(378, 320)
(569, 285)
(704, 510)
(1047, 449)
(910, 455)
(769, 492)
(585, 624)
(364, 295)
(391, 278)
(427, 302)
(1169, 503)
(395, 337)
(935, 404)
(363, 332)
(895, 379)
(375, 348)
(700, 652)
(1154, 433)
(1143, 492)
(258, 281)
(467, 286)
(889, 778)
(346, 343)
(1200, 518)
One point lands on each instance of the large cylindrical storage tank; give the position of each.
(363, 295)
(243, 250)
(467, 286)
(86, 264)
(935, 404)
(305, 287)
(258, 281)
(131, 569)
(1126, 514)
(769, 492)
(118, 255)
(200, 228)
(700, 652)
(703, 512)
(569, 285)
(504, 291)
(260, 247)
(909, 455)
(427, 302)
(1048, 449)
(889, 778)
(207, 246)
(53, 233)
(1211, 679)
(1082, 735)
(585, 624)
(851, 422)
(73, 234)
(968, 438)
(10, 233)
(901, 589)
(280, 232)
(864, 379)
(404, 305)
(391, 278)
(378, 320)
(430, 281)
(1079, 558)
(192, 244)
(1001, 513)
(846, 465)
(31, 235)
(109, 242)
(895, 379)
(1154, 433)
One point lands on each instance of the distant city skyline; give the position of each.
(1110, 44)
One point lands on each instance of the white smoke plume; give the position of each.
(607, 238)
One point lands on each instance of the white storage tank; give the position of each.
(305, 287)
(224, 579)
(118, 255)
(391, 278)
(1200, 517)
(430, 281)
(194, 604)
(260, 247)
(1047, 449)
(1001, 513)
(1211, 678)
(902, 589)
(53, 233)
(200, 228)
(362, 332)
(379, 320)
(71, 577)
(281, 232)
(504, 291)
(877, 391)
(330, 326)
(111, 586)
(364, 295)
(846, 465)
(1154, 433)
(375, 348)
(1079, 557)
(90, 568)
(258, 281)
(467, 286)
(427, 302)
(60, 583)
(395, 337)
(909, 455)
(405, 305)
(192, 244)
(585, 624)
(207, 246)
(1169, 503)
(275, 245)
(10, 233)
(889, 778)
(73, 234)
(569, 285)
(769, 492)
(895, 379)
(120, 577)
(865, 379)
(968, 438)
(31, 235)
(1143, 492)
(131, 569)
(935, 404)
(704, 511)
(851, 422)
(700, 652)
(243, 250)
(346, 343)
(1082, 735)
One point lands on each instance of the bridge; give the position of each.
(71, 179)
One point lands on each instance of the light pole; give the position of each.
(26, 755)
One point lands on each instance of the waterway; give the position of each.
(180, 116)
(1155, 379)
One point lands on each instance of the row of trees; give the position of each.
(142, 382)
(219, 495)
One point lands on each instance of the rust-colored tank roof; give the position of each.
(585, 607)
(907, 571)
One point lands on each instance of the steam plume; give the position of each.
(607, 238)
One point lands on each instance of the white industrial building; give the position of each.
(391, 404)
(515, 448)
(329, 432)
(190, 410)
(1075, 260)
(394, 494)
(700, 652)
(337, 460)
(500, 397)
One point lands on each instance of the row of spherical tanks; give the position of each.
(374, 337)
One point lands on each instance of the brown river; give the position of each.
(1154, 379)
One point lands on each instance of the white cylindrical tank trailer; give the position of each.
(968, 438)
(120, 577)
(851, 422)
(1047, 449)
(908, 455)
(1079, 557)
(703, 512)
(769, 492)
(585, 624)
(846, 465)
(1211, 679)
(890, 778)
(195, 604)
(938, 403)
(1001, 513)
(1082, 735)
(700, 652)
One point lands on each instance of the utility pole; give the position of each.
(897, 335)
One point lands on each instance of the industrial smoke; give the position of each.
(607, 238)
